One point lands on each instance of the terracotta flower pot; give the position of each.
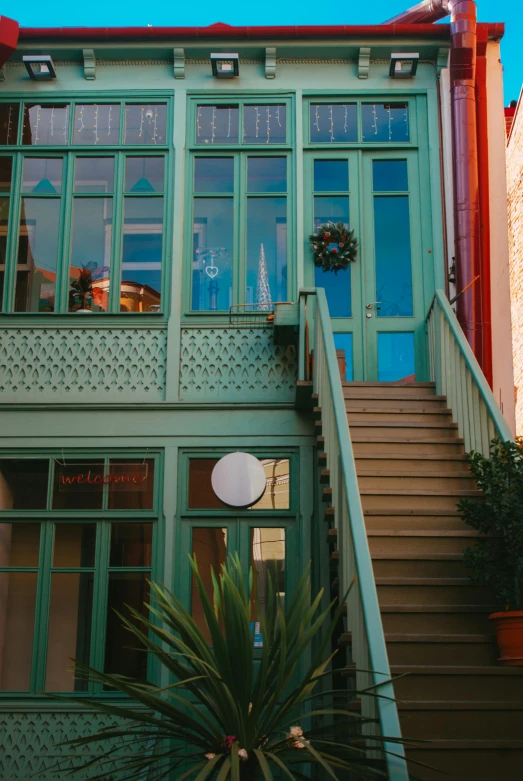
(509, 633)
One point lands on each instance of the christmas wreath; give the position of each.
(334, 246)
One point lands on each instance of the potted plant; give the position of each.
(82, 288)
(496, 558)
(230, 710)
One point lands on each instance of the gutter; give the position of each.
(228, 32)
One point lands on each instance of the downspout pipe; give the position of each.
(426, 12)
(466, 178)
(9, 30)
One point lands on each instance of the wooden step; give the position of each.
(434, 619)
(431, 591)
(432, 480)
(363, 442)
(460, 760)
(403, 430)
(463, 720)
(455, 649)
(412, 565)
(402, 461)
(406, 401)
(412, 520)
(423, 541)
(460, 682)
(421, 498)
(387, 415)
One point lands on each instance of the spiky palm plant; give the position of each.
(230, 712)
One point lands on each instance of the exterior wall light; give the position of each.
(403, 66)
(40, 67)
(225, 66)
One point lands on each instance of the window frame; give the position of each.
(239, 152)
(69, 152)
(360, 97)
(103, 519)
(239, 522)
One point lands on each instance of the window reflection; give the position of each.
(4, 225)
(74, 545)
(17, 614)
(266, 174)
(122, 654)
(145, 124)
(42, 175)
(131, 545)
(19, 544)
(389, 175)
(331, 176)
(96, 123)
(209, 545)
(396, 357)
(334, 208)
(45, 125)
(91, 243)
(144, 174)
(393, 256)
(212, 254)
(9, 113)
(140, 289)
(266, 251)
(6, 171)
(267, 560)
(343, 344)
(94, 175)
(217, 124)
(214, 174)
(385, 122)
(69, 633)
(333, 122)
(276, 496)
(264, 124)
(37, 255)
(15, 478)
(135, 497)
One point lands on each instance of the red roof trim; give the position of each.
(220, 30)
(8, 38)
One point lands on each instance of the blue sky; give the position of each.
(34, 13)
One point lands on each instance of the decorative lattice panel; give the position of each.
(68, 364)
(29, 744)
(236, 364)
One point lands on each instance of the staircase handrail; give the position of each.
(363, 612)
(458, 376)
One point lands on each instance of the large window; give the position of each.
(263, 535)
(82, 229)
(76, 545)
(239, 248)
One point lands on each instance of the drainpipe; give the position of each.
(8, 38)
(425, 12)
(466, 184)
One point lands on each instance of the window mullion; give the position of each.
(117, 241)
(12, 238)
(43, 599)
(240, 232)
(64, 254)
(101, 580)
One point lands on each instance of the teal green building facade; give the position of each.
(151, 217)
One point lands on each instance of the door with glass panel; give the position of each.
(377, 304)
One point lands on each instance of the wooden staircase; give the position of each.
(412, 471)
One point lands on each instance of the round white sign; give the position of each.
(239, 480)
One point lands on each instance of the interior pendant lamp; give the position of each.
(403, 65)
(40, 67)
(225, 65)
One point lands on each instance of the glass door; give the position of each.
(377, 304)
